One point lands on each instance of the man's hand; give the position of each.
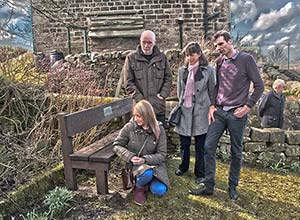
(241, 111)
(160, 97)
(211, 112)
(137, 160)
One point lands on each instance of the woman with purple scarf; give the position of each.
(195, 84)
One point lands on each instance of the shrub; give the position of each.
(57, 200)
(21, 70)
(71, 78)
(295, 167)
(7, 53)
(35, 216)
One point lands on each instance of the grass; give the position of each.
(262, 195)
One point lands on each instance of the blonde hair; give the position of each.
(146, 111)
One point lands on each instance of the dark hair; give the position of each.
(224, 34)
(194, 47)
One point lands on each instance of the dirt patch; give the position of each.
(89, 205)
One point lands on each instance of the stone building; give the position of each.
(107, 25)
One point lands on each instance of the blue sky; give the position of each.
(19, 9)
(268, 23)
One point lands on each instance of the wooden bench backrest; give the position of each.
(83, 120)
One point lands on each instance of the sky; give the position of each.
(268, 23)
(19, 9)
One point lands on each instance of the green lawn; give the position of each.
(262, 195)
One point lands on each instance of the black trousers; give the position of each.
(161, 118)
(185, 143)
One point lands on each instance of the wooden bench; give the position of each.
(99, 154)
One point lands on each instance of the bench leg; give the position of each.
(102, 180)
(70, 178)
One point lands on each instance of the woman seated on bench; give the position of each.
(149, 168)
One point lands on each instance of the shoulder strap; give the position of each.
(143, 146)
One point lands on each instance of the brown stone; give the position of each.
(292, 137)
(292, 150)
(270, 158)
(249, 157)
(276, 147)
(276, 135)
(258, 134)
(255, 147)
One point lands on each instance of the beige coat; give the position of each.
(129, 142)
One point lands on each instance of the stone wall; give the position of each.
(51, 19)
(108, 67)
(267, 147)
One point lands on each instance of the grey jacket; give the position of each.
(145, 79)
(129, 142)
(194, 121)
(271, 109)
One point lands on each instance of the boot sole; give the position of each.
(140, 204)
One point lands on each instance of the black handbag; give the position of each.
(175, 116)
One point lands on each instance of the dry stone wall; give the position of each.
(267, 147)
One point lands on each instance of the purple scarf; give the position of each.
(190, 86)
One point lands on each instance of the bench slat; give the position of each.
(85, 153)
(83, 120)
(104, 155)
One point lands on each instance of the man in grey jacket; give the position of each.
(229, 110)
(147, 74)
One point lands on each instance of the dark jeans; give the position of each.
(161, 118)
(236, 126)
(185, 143)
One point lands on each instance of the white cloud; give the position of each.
(4, 35)
(258, 39)
(268, 35)
(271, 47)
(276, 17)
(282, 40)
(291, 47)
(19, 5)
(244, 10)
(289, 29)
(248, 39)
(251, 40)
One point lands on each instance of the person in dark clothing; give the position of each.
(147, 74)
(229, 110)
(272, 105)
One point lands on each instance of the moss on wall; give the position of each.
(33, 191)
